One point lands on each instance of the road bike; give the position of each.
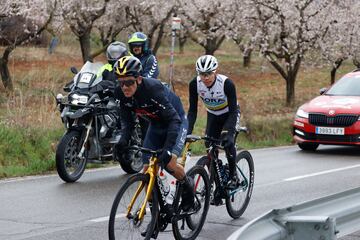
(140, 209)
(236, 199)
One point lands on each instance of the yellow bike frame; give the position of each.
(152, 171)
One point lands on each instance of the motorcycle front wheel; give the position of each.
(68, 165)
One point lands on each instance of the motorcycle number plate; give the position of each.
(86, 77)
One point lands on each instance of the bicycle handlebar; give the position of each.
(144, 150)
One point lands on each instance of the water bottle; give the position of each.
(164, 183)
(171, 195)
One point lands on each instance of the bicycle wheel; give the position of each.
(122, 226)
(205, 163)
(238, 199)
(196, 220)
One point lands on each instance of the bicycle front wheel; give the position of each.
(238, 199)
(196, 219)
(129, 226)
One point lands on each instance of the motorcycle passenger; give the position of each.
(114, 51)
(218, 94)
(139, 47)
(168, 124)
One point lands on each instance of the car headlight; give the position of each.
(76, 99)
(301, 113)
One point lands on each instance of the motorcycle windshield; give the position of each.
(88, 75)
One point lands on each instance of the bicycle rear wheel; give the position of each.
(122, 226)
(196, 220)
(238, 199)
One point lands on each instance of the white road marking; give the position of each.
(105, 219)
(28, 178)
(321, 173)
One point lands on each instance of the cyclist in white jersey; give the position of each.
(218, 94)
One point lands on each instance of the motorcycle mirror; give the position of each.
(74, 70)
(322, 90)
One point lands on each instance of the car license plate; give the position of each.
(330, 131)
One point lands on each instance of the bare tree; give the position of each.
(150, 17)
(241, 28)
(288, 29)
(80, 16)
(18, 25)
(203, 22)
(111, 24)
(341, 40)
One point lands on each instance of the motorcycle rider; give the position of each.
(149, 98)
(114, 51)
(218, 94)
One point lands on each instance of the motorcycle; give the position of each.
(90, 115)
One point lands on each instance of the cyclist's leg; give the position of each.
(231, 156)
(154, 140)
(177, 170)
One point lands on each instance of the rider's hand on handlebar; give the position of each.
(165, 157)
(227, 139)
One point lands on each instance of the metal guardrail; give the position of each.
(325, 218)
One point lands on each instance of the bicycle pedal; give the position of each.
(154, 235)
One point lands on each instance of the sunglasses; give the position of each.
(205, 74)
(127, 83)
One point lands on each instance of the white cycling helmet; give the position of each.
(206, 63)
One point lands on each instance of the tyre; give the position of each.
(131, 160)
(68, 165)
(238, 200)
(308, 146)
(205, 163)
(123, 227)
(196, 220)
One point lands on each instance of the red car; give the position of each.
(332, 118)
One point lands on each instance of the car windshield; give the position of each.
(346, 86)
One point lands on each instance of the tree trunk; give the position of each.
(247, 57)
(334, 69)
(290, 90)
(213, 44)
(290, 81)
(85, 47)
(356, 63)
(4, 69)
(182, 41)
(158, 39)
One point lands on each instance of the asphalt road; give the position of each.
(44, 207)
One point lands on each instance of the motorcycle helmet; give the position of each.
(138, 39)
(115, 51)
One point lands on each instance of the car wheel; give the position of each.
(308, 146)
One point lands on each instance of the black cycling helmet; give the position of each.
(128, 66)
(115, 51)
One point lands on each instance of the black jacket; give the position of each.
(154, 102)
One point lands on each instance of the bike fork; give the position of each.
(88, 128)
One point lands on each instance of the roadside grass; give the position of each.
(30, 124)
(27, 151)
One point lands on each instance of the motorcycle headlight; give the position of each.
(76, 99)
(302, 114)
